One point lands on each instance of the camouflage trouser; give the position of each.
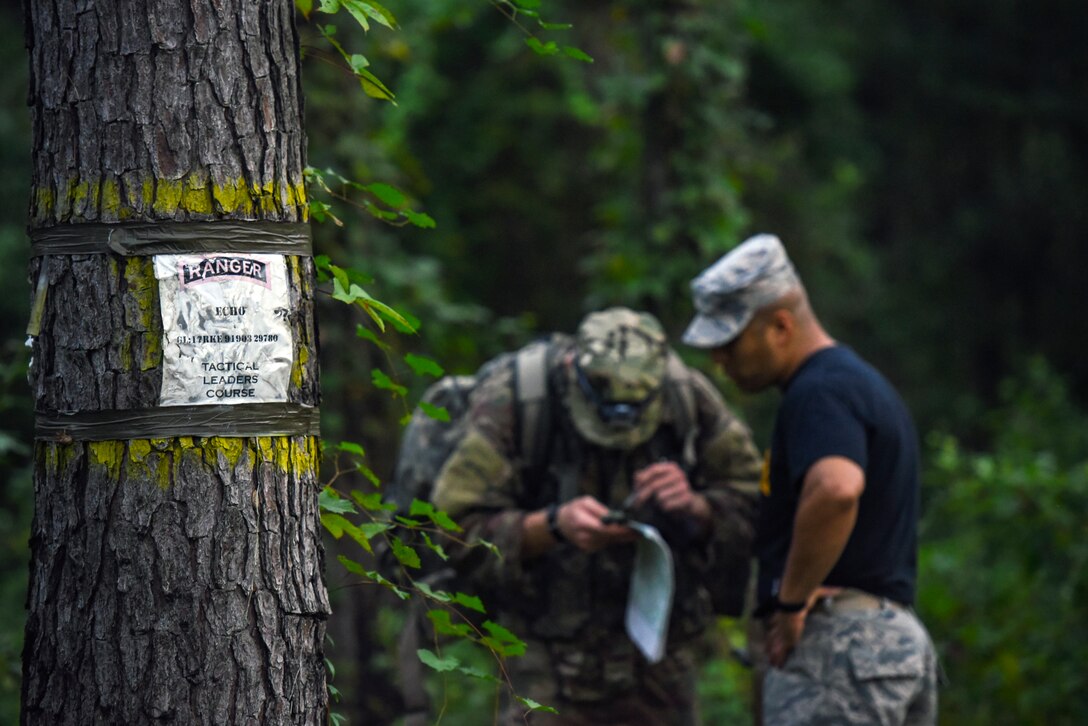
(659, 695)
(855, 666)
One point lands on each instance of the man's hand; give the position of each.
(666, 485)
(783, 634)
(784, 630)
(580, 522)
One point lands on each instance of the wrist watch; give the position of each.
(788, 607)
(553, 523)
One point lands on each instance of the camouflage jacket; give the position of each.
(567, 595)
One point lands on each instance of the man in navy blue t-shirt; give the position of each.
(837, 533)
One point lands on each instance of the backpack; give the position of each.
(427, 441)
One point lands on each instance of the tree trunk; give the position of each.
(178, 578)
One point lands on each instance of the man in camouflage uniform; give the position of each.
(837, 534)
(562, 582)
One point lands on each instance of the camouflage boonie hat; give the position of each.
(728, 293)
(620, 356)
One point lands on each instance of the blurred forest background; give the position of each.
(925, 164)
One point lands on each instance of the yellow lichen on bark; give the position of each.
(194, 196)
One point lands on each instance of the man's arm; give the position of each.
(826, 514)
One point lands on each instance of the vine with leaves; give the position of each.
(366, 517)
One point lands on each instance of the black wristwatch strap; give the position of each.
(553, 523)
(788, 607)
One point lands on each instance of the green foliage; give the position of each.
(725, 683)
(456, 614)
(1004, 560)
(613, 183)
(16, 405)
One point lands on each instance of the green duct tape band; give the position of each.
(170, 238)
(241, 420)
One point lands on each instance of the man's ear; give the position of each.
(782, 322)
(782, 325)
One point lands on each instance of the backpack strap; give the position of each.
(681, 398)
(537, 422)
(531, 392)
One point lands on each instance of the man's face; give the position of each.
(750, 359)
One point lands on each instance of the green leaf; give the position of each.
(423, 366)
(361, 331)
(389, 314)
(381, 380)
(533, 705)
(438, 413)
(356, 569)
(501, 640)
(358, 63)
(438, 664)
(444, 626)
(338, 526)
(372, 501)
(439, 595)
(368, 473)
(320, 211)
(349, 292)
(333, 523)
(351, 448)
(373, 87)
(469, 601)
(477, 673)
(490, 547)
(426, 509)
(387, 194)
(347, 275)
(380, 13)
(419, 219)
(330, 500)
(378, 213)
(501, 634)
(352, 566)
(407, 323)
(340, 275)
(577, 54)
(549, 48)
(330, 6)
(434, 547)
(371, 530)
(352, 6)
(305, 7)
(362, 10)
(404, 554)
(554, 26)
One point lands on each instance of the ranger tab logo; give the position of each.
(217, 267)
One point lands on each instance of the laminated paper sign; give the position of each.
(226, 336)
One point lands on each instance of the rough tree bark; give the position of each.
(171, 579)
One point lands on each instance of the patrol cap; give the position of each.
(728, 293)
(619, 364)
(623, 351)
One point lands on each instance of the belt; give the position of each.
(849, 599)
